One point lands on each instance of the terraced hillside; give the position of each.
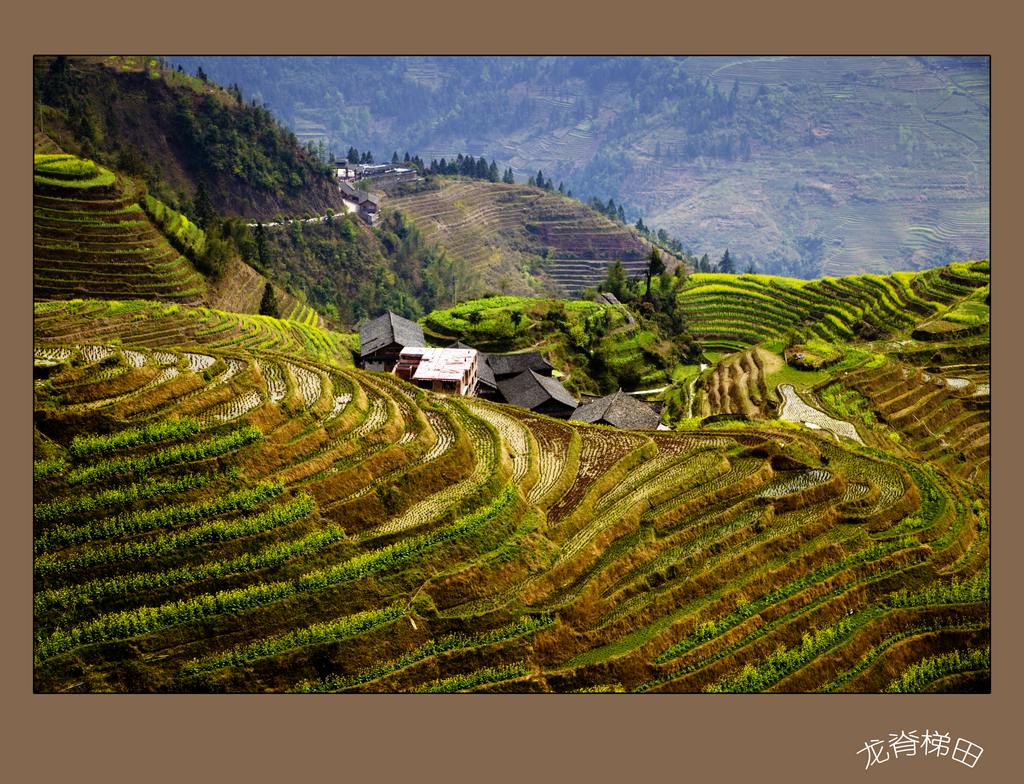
(505, 230)
(92, 238)
(152, 324)
(738, 385)
(213, 514)
(730, 312)
(919, 388)
(96, 235)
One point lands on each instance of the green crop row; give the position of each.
(920, 674)
(934, 500)
(99, 179)
(184, 453)
(317, 633)
(217, 531)
(451, 642)
(399, 553)
(86, 446)
(871, 656)
(975, 589)
(69, 597)
(65, 166)
(184, 235)
(711, 629)
(144, 620)
(41, 469)
(917, 555)
(783, 661)
(161, 517)
(471, 680)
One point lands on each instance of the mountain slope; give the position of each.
(179, 133)
(509, 234)
(251, 520)
(802, 165)
(93, 238)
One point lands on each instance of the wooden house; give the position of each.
(382, 340)
(618, 410)
(538, 393)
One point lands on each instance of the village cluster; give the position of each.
(366, 205)
(392, 344)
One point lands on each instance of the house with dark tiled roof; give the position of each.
(618, 410)
(538, 393)
(367, 204)
(508, 365)
(382, 339)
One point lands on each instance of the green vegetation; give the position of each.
(926, 672)
(375, 539)
(222, 502)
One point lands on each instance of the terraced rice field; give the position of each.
(730, 312)
(508, 227)
(151, 324)
(738, 385)
(244, 511)
(795, 409)
(92, 239)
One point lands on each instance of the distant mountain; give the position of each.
(798, 165)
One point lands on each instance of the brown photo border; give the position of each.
(665, 738)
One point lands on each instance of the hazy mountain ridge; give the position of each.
(799, 168)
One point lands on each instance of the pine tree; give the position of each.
(615, 281)
(509, 177)
(353, 155)
(268, 305)
(203, 207)
(726, 264)
(539, 182)
(704, 265)
(655, 266)
(394, 157)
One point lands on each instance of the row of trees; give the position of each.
(468, 166)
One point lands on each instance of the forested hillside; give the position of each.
(194, 144)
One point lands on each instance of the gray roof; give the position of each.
(513, 364)
(348, 190)
(530, 390)
(387, 329)
(361, 197)
(484, 373)
(619, 410)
